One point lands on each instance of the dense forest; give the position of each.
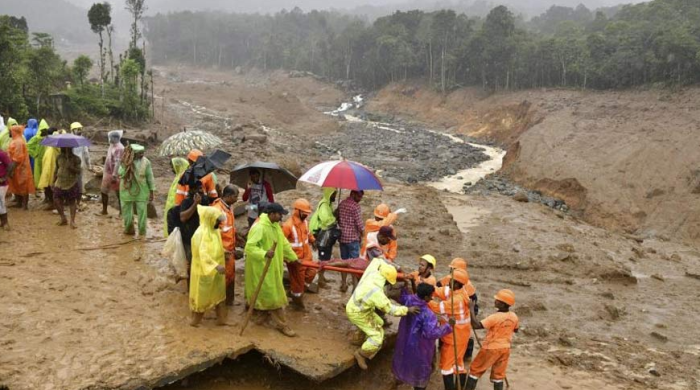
(36, 81)
(654, 42)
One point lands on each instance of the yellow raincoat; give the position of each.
(261, 238)
(207, 286)
(361, 308)
(180, 165)
(48, 165)
(5, 134)
(37, 150)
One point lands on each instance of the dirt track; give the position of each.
(599, 310)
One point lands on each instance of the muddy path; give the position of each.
(88, 309)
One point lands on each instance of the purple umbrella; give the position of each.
(65, 141)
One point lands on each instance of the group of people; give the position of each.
(28, 167)
(431, 309)
(202, 213)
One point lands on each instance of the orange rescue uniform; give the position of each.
(495, 351)
(372, 226)
(431, 280)
(463, 327)
(469, 287)
(228, 239)
(298, 235)
(207, 184)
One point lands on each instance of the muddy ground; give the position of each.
(89, 309)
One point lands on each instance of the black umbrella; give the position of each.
(204, 166)
(279, 178)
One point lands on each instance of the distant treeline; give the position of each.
(654, 42)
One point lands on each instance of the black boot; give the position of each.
(471, 383)
(449, 382)
(463, 380)
(498, 385)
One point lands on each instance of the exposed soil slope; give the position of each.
(625, 160)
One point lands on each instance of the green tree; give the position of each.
(13, 38)
(100, 19)
(130, 96)
(136, 8)
(81, 68)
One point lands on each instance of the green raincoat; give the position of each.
(180, 165)
(261, 238)
(36, 151)
(5, 134)
(207, 286)
(323, 218)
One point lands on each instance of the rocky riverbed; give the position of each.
(407, 152)
(495, 184)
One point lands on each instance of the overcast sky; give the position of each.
(276, 5)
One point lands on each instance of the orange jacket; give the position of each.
(460, 312)
(228, 228)
(373, 226)
(298, 235)
(21, 183)
(469, 288)
(207, 183)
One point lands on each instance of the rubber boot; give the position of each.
(463, 380)
(230, 294)
(3, 222)
(497, 385)
(471, 383)
(361, 359)
(298, 303)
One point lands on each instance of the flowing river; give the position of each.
(456, 182)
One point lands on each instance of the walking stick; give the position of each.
(476, 336)
(257, 291)
(454, 328)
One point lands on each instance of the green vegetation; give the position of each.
(631, 45)
(35, 80)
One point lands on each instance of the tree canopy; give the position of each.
(654, 42)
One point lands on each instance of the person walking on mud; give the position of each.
(110, 174)
(296, 229)
(258, 191)
(495, 352)
(66, 189)
(229, 197)
(266, 242)
(136, 188)
(323, 225)
(351, 230)
(6, 167)
(208, 269)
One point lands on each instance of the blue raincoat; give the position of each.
(29, 133)
(415, 343)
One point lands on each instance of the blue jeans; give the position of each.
(350, 250)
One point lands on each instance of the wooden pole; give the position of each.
(257, 290)
(454, 330)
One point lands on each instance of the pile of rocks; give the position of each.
(406, 152)
(501, 185)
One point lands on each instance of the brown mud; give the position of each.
(91, 309)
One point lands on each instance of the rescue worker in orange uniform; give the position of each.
(382, 217)
(228, 237)
(495, 352)
(207, 181)
(459, 263)
(296, 229)
(443, 307)
(425, 273)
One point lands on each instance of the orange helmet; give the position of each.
(458, 263)
(461, 276)
(194, 154)
(506, 296)
(302, 205)
(382, 211)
